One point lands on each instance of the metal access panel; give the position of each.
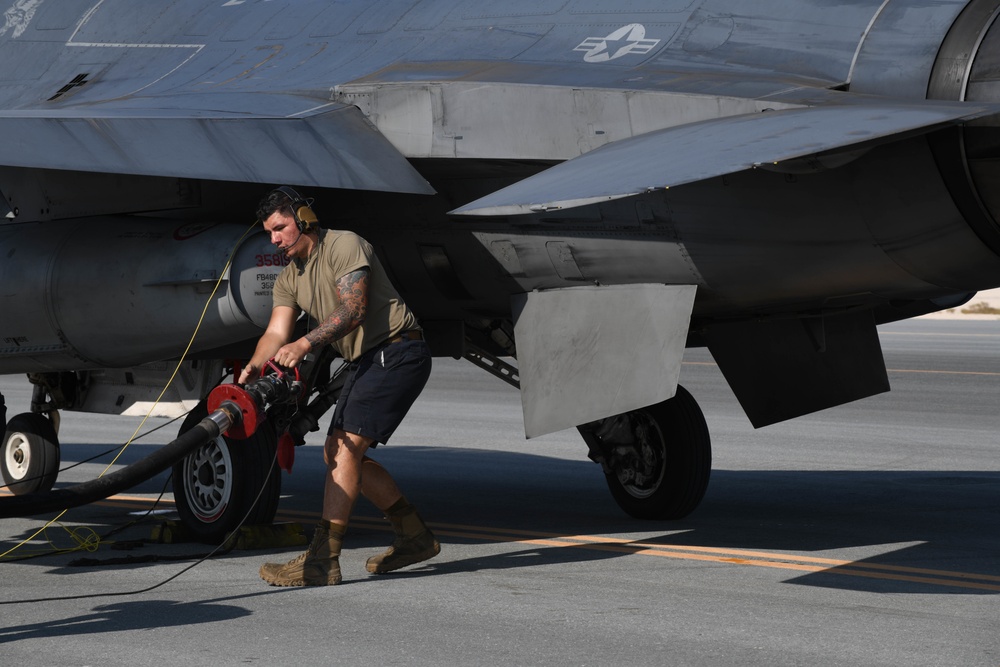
(585, 353)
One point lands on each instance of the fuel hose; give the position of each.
(209, 428)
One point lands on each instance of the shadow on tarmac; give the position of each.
(936, 520)
(133, 615)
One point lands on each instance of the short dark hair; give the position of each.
(274, 201)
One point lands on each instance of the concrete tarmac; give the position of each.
(862, 535)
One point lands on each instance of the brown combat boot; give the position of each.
(318, 566)
(414, 541)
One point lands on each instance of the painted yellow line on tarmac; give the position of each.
(917, 370)
(722, 555)
(117, 501)
(759, 559)
(890, 370)
(729, 556)
(928, 334)
(132, 502)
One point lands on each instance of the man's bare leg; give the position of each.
(349, 473)
(320, 564)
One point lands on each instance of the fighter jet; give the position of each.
(568, 193)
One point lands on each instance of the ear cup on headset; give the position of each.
(305, 218)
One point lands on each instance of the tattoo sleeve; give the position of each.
(352, 291)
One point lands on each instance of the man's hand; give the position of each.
(249, 373)
(278, 332)
(291, 355)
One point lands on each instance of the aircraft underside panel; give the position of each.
(785, 368)
(698, 151)
(585, 353)
(338, 148)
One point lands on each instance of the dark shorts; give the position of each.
(381, 386)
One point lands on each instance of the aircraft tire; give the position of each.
(30, 460)
(663, 473)
(216, 485)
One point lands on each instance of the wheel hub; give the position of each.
(640, 464)
(205, 475)
(208, 480)
(18, 456)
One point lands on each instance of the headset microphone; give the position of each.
(294, 243)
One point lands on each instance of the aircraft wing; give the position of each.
(697, 151)
(332, 146)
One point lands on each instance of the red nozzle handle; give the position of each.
(281, 370)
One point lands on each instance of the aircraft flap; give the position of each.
(586, 353)
(782, 369)
(706, 149)
(334, 148)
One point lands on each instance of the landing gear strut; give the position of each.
(657, 460)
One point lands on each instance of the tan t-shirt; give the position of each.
(310, 285)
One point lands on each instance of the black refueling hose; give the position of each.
(209, 428)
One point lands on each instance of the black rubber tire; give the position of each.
(681, 456)
(216, 485)
(30, 457)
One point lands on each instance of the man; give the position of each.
(336, 279)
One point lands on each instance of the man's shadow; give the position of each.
(136, 615)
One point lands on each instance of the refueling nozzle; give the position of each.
(276, 386)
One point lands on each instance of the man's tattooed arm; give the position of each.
(352, 290)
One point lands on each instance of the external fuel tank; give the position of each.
(142, 286)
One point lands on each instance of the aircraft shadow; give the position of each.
(942, 521)
(928, 520)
